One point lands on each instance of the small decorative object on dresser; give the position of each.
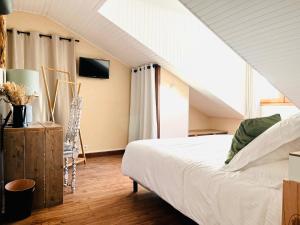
(29, 79)
(16, 95)
(19, 116)
(291, 192)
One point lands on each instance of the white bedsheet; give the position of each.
(188, 173)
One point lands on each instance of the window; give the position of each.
(269, 101)
(282, 100)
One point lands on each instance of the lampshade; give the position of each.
(5, 7)
(28, 78)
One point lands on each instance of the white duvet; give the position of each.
(189, 174)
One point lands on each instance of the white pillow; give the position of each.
(272, 145)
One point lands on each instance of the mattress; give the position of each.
(189, 174)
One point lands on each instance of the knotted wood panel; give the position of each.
(291, 203)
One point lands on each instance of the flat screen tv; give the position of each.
(97, 68)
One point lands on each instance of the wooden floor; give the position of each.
(105, 197)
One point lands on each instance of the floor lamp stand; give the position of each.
(51, 104)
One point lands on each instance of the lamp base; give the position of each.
(28, 114)
(19, 116)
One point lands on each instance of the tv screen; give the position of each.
(97, 68)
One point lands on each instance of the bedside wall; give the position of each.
(228, 124)
(198, 120)
(106, 102)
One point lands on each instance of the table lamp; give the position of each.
(5, 7)
(30, 80)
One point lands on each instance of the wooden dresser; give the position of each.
(36, 152)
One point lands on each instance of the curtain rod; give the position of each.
(148, 67)
(41, 35)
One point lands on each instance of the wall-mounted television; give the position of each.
(97, 68)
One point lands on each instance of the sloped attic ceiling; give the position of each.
(83, 18)
(265, 33)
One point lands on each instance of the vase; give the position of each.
(19, 116)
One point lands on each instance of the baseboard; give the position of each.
(104, 153)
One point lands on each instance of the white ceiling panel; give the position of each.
(265, 33)
(82, 17)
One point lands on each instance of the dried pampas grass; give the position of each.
(14, 94)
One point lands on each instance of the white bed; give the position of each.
(189, 173)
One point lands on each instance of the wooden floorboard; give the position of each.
(104, 196)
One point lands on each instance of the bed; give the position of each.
(189, 174)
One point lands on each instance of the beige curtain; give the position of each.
(249, 98)
(31, 52)
(254, 89)
(143, 118)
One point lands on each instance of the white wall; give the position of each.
(174, 106)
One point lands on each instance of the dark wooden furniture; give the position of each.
(201, 132)
(36, 152)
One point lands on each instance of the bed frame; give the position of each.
(135, 186)
(184, 218)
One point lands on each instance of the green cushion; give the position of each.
(248, 130)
